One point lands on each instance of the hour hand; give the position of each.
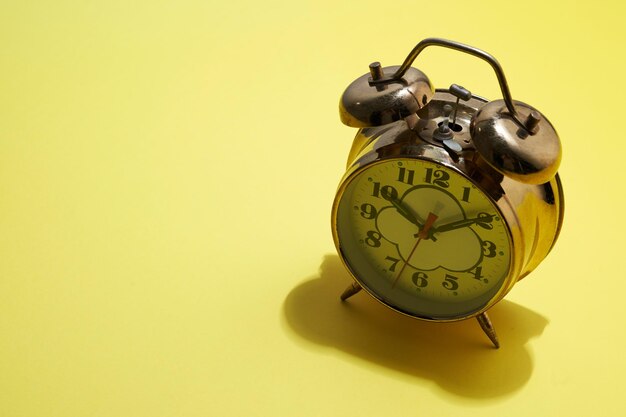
(405, 212)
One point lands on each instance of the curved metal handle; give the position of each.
(506, 94)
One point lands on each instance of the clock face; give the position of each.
(422, 238)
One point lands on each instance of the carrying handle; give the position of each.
(504, 87)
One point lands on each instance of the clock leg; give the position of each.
(350, 291)
(487, 327)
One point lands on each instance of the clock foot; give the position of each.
(487, 327)
(350, 291)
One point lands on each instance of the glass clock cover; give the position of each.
(422, 238)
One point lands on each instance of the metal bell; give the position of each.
(366, 105)
(523, 146)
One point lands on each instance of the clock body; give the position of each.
(436, 234)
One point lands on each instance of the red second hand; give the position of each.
(423, 234)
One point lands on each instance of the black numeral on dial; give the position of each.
(420, 279)
(466, 194)
(394, 262)
(489, 249)
(450, 282)
(373, 238)
(477, 273)
(406, 175)
(386, 191)
(437, 177)
(368, 211)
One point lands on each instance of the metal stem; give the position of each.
(456, 106)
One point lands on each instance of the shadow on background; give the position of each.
(457, 356)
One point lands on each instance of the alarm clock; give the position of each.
(448, 199)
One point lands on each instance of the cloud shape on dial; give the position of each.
(455, 250)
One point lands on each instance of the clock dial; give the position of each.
(422, 238)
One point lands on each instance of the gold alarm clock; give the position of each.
(448, 199)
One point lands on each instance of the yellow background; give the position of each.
(166, 176)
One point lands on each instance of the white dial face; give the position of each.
(423, 238)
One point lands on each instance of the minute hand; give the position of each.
(483, 220)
